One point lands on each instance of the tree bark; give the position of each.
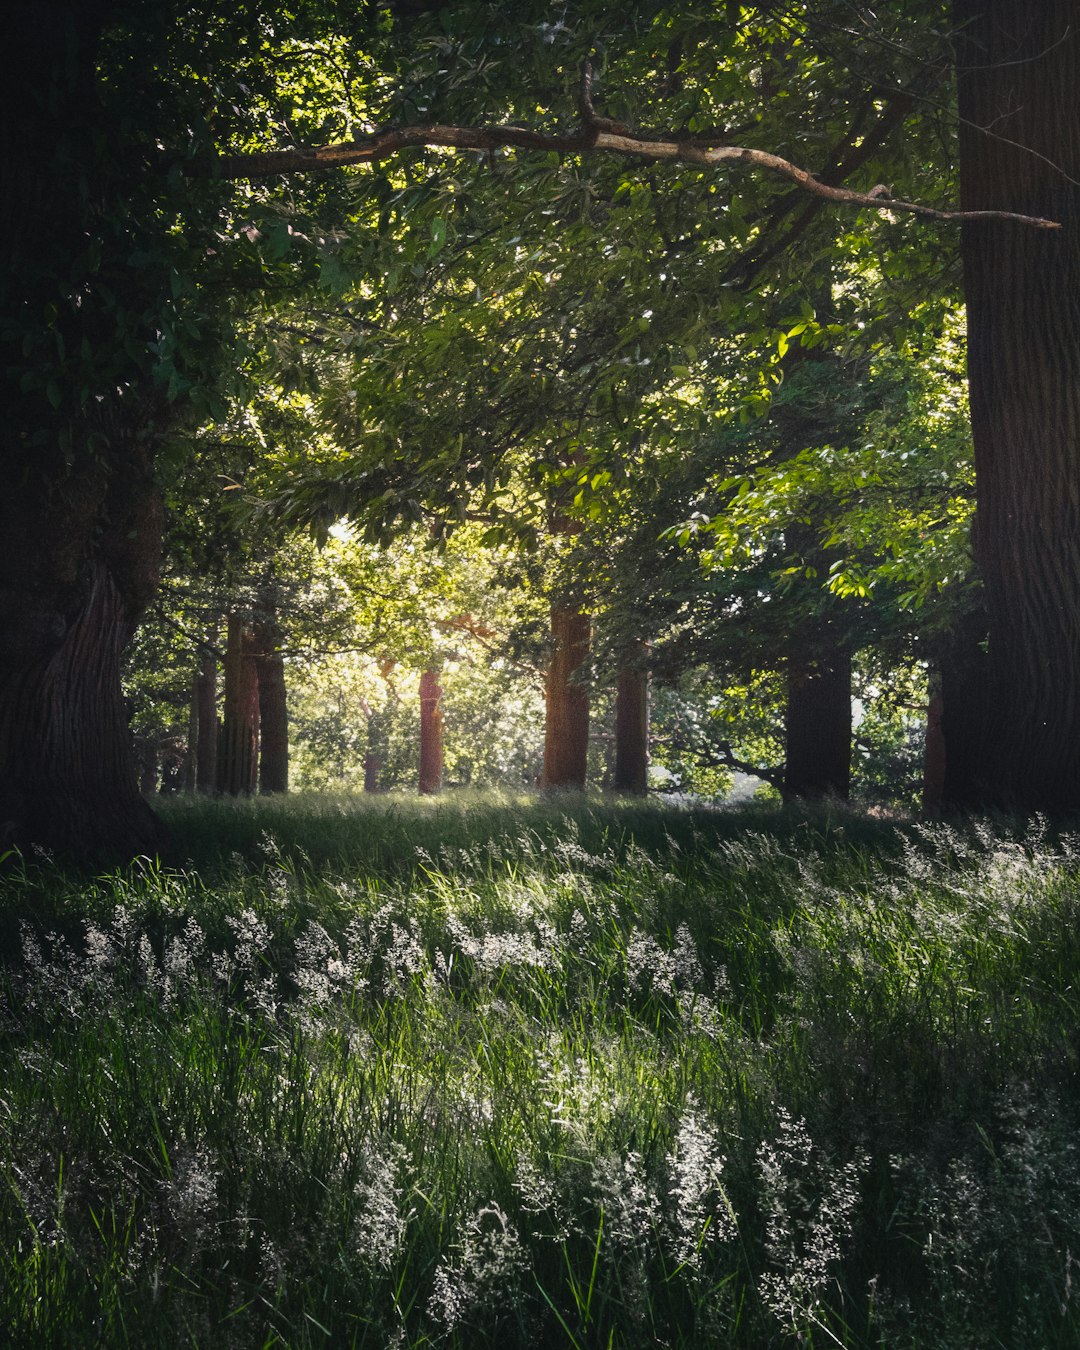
(80, 518)
(207, 735)
(1018, 73)
(431, 732)
(238, 749)
(818, 729)
(566, 726)
(632, 732)
(273, 707)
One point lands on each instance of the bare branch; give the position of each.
(597, 135)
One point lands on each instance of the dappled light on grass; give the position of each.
(545, 1073)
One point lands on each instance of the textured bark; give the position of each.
(80, 520)
(1019, 70)
(372, 765)
(239, 744)
(431, 732)
(566, 726)
(207, 734)
(632, 732)
(273, 708)
(818, 730)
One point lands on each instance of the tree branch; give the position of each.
(595, 136)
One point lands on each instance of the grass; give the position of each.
(474, 1072)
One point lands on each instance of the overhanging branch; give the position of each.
(596, 136)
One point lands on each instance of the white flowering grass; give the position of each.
(424, 1074)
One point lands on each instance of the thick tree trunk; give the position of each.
(566, 727)
(431, 732)
(80, 520)
(238, 749)
(632, 732)
(1018, 71)
(818, 729)
(273, 708)
(207, 734)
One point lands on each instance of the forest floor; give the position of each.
(472, 1072)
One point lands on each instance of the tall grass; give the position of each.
(529, 1074)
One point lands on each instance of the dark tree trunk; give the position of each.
(632, 732)
(372, 765)
(80, 522)
(239, 743)
(149, 761)
(818, 729)
(965, 687)
(1018, 72)
(933, 786)
(273, 708)
(207, 735)
(431, 732)
(566, 726)
(191, 750)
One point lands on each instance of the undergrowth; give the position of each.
(543, 1074)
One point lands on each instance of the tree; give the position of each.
(1012, 731)
(113, 248)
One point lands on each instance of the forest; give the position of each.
(540, 673)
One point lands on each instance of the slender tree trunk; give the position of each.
(566, 727)
(431, 732)
(1018, 75)
(238, 750)
(191, 750)
(149, 761)
(207, 738)
(933, 788)
(632, 732)
(273, 707)
(818, 729)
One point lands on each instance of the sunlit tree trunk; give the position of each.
(431, 732)
(818, 729)
(566, 725)
(1018, 75)
(238, 750)
(632, 732)
(273, 705)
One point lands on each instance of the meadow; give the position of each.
(478, 1072)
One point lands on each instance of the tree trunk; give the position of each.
(80, 519)
(431, 732)
(818, 730)
(238, 750)
(192, 749)
(632, 732)
(148, 759)
(372, 765)
(566, 727)
(1018, 73)
(273, 707)
(933, 786)
(207, 736)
